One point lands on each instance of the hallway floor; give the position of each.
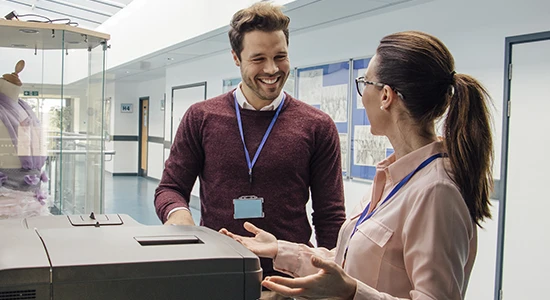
(134, 195)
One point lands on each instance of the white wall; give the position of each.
(164, 23)
(126, 124)
(473, 30)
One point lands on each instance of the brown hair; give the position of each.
(421, 68)
(260, 16)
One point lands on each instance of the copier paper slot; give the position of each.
(168, 240)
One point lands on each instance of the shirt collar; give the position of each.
(396, 170)
(244, 104)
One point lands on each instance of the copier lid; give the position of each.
(23, 259)
(103, 253)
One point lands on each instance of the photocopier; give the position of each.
(111, 256)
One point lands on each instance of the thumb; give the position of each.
(328, 265)
(251, 228)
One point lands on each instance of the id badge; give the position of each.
(248, 207)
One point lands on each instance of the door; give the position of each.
(526, 239)
(143, 135)
(182, 98)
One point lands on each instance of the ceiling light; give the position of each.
(19, 45)
(170, 58)
(27, 30)
(73, 42)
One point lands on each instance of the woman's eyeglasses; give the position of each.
(361, 84)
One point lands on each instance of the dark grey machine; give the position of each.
(114, 257)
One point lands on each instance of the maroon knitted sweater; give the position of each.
(302, 153)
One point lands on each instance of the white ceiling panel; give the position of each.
(87, 13)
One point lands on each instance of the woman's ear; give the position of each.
(388, 96)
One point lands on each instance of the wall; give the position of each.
(473, 30)
(174, 21)
(125, 126)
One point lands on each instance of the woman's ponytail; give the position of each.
(469, 144)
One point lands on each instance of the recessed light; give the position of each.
(27, 30)
(127, 72)
(19, 45)
(170, 58)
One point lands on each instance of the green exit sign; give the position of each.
(30, 93)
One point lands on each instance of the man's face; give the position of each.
(264, 65)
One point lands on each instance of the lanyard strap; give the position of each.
(253, 162)
(364, 216)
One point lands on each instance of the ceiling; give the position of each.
(305, 15)
(87, 13)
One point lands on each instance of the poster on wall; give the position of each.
(344, 149)
(326, 87)
(366, 150)
(231, 83)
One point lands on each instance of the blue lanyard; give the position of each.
(251, 164)
(365, 216)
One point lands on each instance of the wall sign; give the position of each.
(126, 108)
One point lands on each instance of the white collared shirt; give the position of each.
(244, 104)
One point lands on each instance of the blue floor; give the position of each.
(133, 195)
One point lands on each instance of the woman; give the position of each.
(415, 237)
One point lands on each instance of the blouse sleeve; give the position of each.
(295, 259)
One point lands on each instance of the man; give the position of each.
(256, 150)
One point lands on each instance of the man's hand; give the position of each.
(180, 217)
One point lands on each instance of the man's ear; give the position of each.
(236, 58)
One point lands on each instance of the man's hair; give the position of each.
(262, 16)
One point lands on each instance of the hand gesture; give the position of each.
(263, 244)
(331, 282)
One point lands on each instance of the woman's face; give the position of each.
(372, 99)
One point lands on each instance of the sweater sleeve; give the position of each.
(327, 190)
(182, 167)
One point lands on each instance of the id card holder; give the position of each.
(248, 207)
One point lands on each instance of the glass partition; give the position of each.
(52, 119)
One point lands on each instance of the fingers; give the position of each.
(251, 228)
(274, 284)
(236, 237)
(226, 232)
(328, 265)
(288, 282)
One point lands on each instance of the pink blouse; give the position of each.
(420, 244)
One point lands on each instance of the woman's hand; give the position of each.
(263, 244)
(331, 282)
